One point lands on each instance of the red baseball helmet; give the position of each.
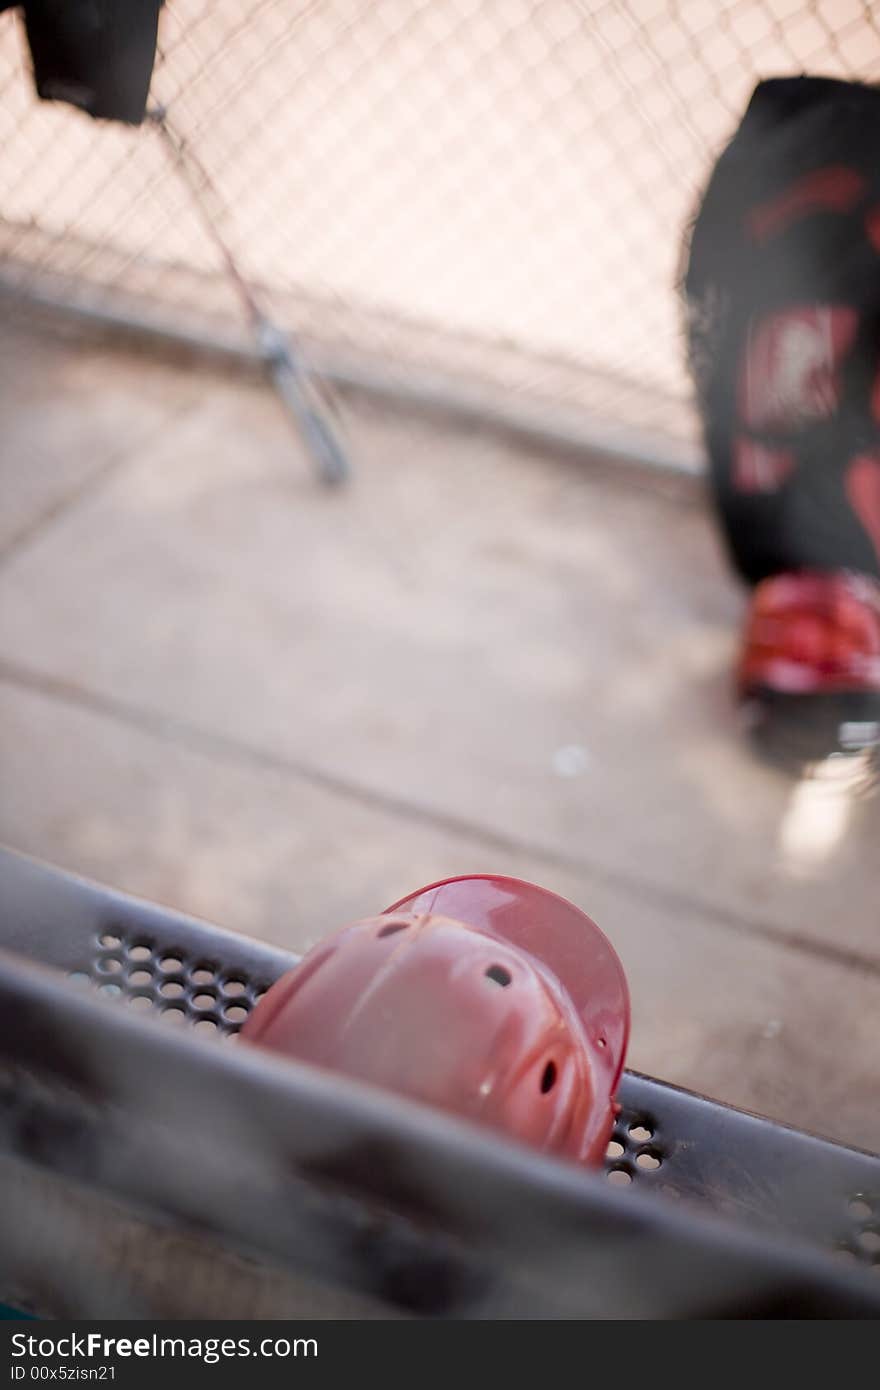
(484, 996)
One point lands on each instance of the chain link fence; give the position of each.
(489, 195)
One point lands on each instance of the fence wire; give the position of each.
(492, 191)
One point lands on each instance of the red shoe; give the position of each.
(809, 672)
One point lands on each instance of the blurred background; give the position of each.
(506, 644)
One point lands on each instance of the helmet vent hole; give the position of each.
(500, 976)
(548, 1078)
(392, 929)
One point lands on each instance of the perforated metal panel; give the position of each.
(199, 991)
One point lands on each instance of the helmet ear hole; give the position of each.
(548, 1077)
(391, 929)
(499, 975)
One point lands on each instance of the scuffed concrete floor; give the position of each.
(228, 690)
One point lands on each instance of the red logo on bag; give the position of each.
(872, 227)
(759, 467)
(863, 491)
(834, 189)
(790, 372)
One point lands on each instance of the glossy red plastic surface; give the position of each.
(484, 996)
(559, 934)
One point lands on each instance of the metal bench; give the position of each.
(149, 1167)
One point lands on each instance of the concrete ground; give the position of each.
(231, 691)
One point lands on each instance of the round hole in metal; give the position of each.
(233, 988)
(640, 1133)
(235, 1013)
(141, 1002)
(615, 1149)
(206, 1027)
(204, 1001)
(169, 965)
(173, 1015)
(109, 941)
(139, 952)
(648, 1160)
(109, 989)
(171, 989)
(110, 965)
(139, 978)
(619, 1177)
(202, 975)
